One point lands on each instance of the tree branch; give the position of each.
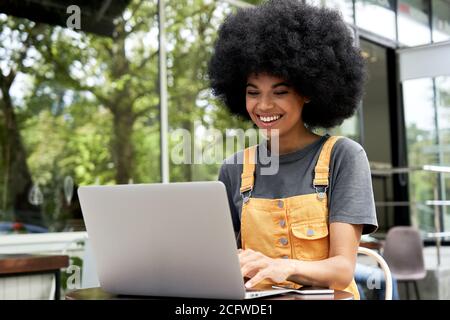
(62, 69)
(147, 59)
(137, 115)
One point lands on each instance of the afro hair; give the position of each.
(310, 47)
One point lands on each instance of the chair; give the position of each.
(403, 251)
(89, 278)
(384, 266)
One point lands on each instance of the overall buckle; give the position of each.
(245, 198)
(321, 191)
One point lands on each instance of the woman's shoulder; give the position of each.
(232, 165)
(346, 147)
(348, 155)
(235, 159)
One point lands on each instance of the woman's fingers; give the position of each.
(252, 262)
(251, 268)
(260, 276)
(257, 267)
(247, 255)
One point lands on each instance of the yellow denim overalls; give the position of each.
(290, 228)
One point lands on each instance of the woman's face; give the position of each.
(273, 104)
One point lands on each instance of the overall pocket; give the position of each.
(310, 240)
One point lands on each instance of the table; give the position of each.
(12, 265)
(99, 294)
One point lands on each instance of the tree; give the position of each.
(90, 106)
(191, 31)
(121, 78)
(16, 177)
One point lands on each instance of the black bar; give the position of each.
(57, 284)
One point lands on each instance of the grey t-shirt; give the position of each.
(350, 194)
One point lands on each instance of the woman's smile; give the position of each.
(268, 120)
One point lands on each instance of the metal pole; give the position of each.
(396, 20)
(437, 227)
(163, 105)
(430, 20)
(441, 178)
(438, 194)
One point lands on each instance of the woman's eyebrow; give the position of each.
(276, 85)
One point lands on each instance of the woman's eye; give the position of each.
(252, 93)
(279, 93)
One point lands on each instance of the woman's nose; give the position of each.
(265, 104)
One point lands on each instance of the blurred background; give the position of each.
(96, 103)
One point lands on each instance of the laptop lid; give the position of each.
(171, 239)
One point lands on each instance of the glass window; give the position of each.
(376, 125)
(421, 132)
(427, 112)
(348, 128)
(79, 107)
(441, 20)
(344, 6)
(443, 112)
(414, 22)
(376, 104)
(377, 16)
(191, 31)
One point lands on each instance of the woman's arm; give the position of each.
(335, 272)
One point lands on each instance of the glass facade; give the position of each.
(441, 20)
(83, 107)
(413, 22)
(427, 106)
(376, 124)
(377, 16)
(442, 92)
(344, 6)
(421, 131)
(405, 21)
(190, 102)
(349, 128)
(425, 102)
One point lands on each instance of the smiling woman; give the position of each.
(302, 224)
(299, 49)
(272, 103)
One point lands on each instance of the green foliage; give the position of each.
(89, 105)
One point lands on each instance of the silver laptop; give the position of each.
(173, 240)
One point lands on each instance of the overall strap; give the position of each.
(248, 172)
(322, 169)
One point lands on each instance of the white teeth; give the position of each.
(270, 119)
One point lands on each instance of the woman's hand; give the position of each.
(258, 267)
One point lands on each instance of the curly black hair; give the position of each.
(310, 47)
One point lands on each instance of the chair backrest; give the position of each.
(89, 278)
(384, 266)
(403, 251)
